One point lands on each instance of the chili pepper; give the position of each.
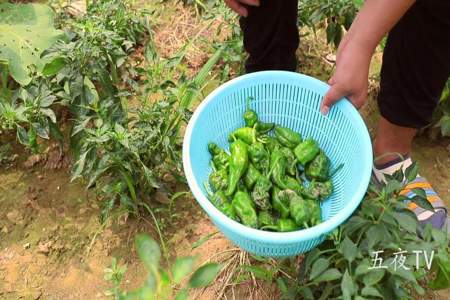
(246, 134)
(260, 194)
(250, 116)
(321, 190)
(291, 161)
(298, 211)
(265, 218)
(318, 168)
(293, 184)
(278, 168)
(238, 165)
(259, 156)
(287, 137)
(228, 210)
(282, 225)
(220, 158)
(270, 143)
(243, 206)
(251, 176)
(306, 151)
(280, 202)
(263, 128)
(314, 212)
(218, 199)
(219, 179)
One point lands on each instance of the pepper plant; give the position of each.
(171, 282)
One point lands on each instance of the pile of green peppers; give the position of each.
(271, 179)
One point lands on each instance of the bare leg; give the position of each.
(392, 138)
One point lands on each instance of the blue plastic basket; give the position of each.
(291, 100)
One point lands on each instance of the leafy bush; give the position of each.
(345, 265)
(334, 15)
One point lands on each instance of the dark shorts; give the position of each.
(416, 59)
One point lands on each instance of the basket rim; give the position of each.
(267, 236)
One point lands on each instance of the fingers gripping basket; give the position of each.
(291, 100)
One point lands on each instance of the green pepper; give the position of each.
(319, 168)
(238, 165)
(219, 179)
(250, 116)
(246, 134)
(282, 225)
(270, 143)
(218, 199)
(278, 168)
(320, 190)
(263, 128)
(287, 137)
(259, 157)
(243, 206)
(265, 218)
(293, 184)
(251, 176)
(306, 151)
(220, 157)
(298, 211)
(314, 212)
(228, 210)
(261, 195)
(221, 202)
(280, 204)
(291, 161)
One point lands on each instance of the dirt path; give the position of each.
(52, 245)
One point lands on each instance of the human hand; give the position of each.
(238, 7)
(351, 75)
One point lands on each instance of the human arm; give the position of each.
(373, 21)
(239, 6)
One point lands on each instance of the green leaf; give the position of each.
(204, 275)
(362, 268)
(42, 130)
(26, 30)
(319, 267)
(182, 267)
(259, 272)
(204, 239)
(328, 275)
(90, 92)
(422, 202)
(148, 251)
(406, 221)
(53, 67)
(331, 32)
(441, 265)
(419, 192)
(358, 3)
(182, 294)
(373, 277)
(347, 286)
(22, 135)
(49, 113)
(412, 171)
(348, 249)
(371, 291)
(393, 186)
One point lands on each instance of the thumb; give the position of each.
(332, 96)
